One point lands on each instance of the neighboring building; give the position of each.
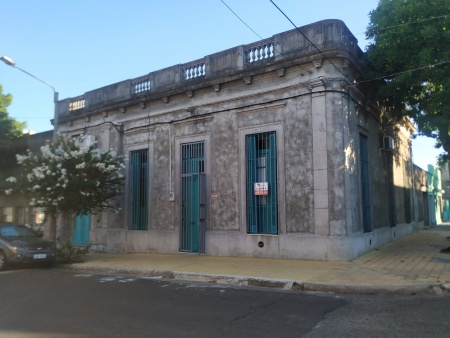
(445, 182)
(421, 212)
(262, 150)
(14, 208)
(434, 190)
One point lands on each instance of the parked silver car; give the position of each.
(19, 244)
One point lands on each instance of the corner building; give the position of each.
(262, 150)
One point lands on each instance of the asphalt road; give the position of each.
(65, 303)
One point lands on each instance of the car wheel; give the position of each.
(2, 261)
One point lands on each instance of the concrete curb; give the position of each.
(265, 282)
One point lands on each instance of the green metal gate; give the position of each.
(138, 219)
(262, 212)
(193, 197)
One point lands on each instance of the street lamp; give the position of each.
(11, 63)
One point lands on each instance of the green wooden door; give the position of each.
(82, 230)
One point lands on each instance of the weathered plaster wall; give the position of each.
(317, 115)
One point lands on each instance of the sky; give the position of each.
(78, 46)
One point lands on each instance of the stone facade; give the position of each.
(287, 97)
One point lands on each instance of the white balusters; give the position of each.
(77, 104)
(140, 86)
(259, 52)
(194, 70)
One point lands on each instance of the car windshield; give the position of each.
(15, 231)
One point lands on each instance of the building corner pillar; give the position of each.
(320, 159)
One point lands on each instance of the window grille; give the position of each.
(139, 190)
(262, 212)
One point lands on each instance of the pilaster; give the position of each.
(320, 159)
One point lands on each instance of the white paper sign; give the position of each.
(261, 189)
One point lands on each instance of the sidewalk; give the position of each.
(413, 264)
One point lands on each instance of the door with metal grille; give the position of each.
(193, 197)
(262, 212)
(138, 219)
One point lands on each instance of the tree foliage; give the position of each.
(69, 178)
(408, 63)
(10, 130)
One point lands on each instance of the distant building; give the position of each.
(14, 208)
(263, 150)
(437, 182)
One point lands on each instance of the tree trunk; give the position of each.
(69, 220)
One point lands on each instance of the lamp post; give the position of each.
(11, 63)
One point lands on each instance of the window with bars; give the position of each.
(261, 189)
(139, 190)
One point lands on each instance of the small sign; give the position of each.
(214, 196)
(261, 189)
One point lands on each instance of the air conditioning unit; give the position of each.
(88, 141)
(388, 143)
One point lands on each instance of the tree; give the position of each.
(70, 178)
(408, 63)
(10, 130)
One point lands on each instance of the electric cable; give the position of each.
(408, 23)
(403, 72)
(241, 20)
(311, 43)
(274, 47)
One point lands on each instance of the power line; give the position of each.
(274, 46)
(402, 24)
(403, 72)
(377, 31)
(359, 82)
(326, 58)
(312, 44)
(242, 20)
(408, 23)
